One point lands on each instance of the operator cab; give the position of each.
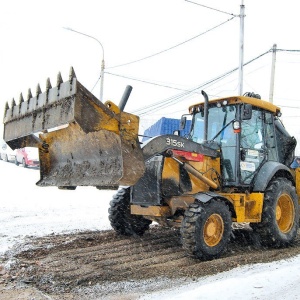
(248, 133)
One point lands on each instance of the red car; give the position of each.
(28, 157)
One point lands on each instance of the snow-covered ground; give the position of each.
(28, 210)
(279, 280)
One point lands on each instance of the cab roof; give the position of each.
(242, 99)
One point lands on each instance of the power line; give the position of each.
(218, 10)
(211, 80)
(288, 50)
(144, 81)
(175, 46)
(163, 103)
(177, 98)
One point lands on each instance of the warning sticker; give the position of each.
(247, 166)
(252, 152)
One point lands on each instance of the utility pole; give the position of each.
(241, 57)
(272, 73)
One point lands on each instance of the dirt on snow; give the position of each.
(104, 265)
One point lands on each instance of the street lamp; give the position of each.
(102, 63)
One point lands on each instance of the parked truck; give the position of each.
(232, 166)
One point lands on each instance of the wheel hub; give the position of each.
(285, 213)
(213, 230)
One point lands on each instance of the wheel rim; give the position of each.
(213, 230)
(285, 213)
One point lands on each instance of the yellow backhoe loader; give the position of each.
(233, 166)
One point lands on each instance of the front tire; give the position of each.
(206, 229)
(280, 213)
(121, 219)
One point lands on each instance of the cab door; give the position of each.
(252, 146)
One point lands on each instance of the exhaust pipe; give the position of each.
(125, 97)
(205, 114)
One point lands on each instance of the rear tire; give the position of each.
(16, 162)
(5, 158)
(122, 221)
(279, 222)
(206, 229)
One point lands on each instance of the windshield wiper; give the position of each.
(223, 128)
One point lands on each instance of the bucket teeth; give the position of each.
(21, 99)
(59, 80)
(29, 95)
(72, 74)
(6, 108)
(48, 85)
(38, 90)
(13, 103)
(43, 109)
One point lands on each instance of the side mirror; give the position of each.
(182, 122)
(246, 112)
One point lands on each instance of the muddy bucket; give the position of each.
(81, 141)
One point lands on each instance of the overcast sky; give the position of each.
(34, 46)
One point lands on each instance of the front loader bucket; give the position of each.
(81, 141)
